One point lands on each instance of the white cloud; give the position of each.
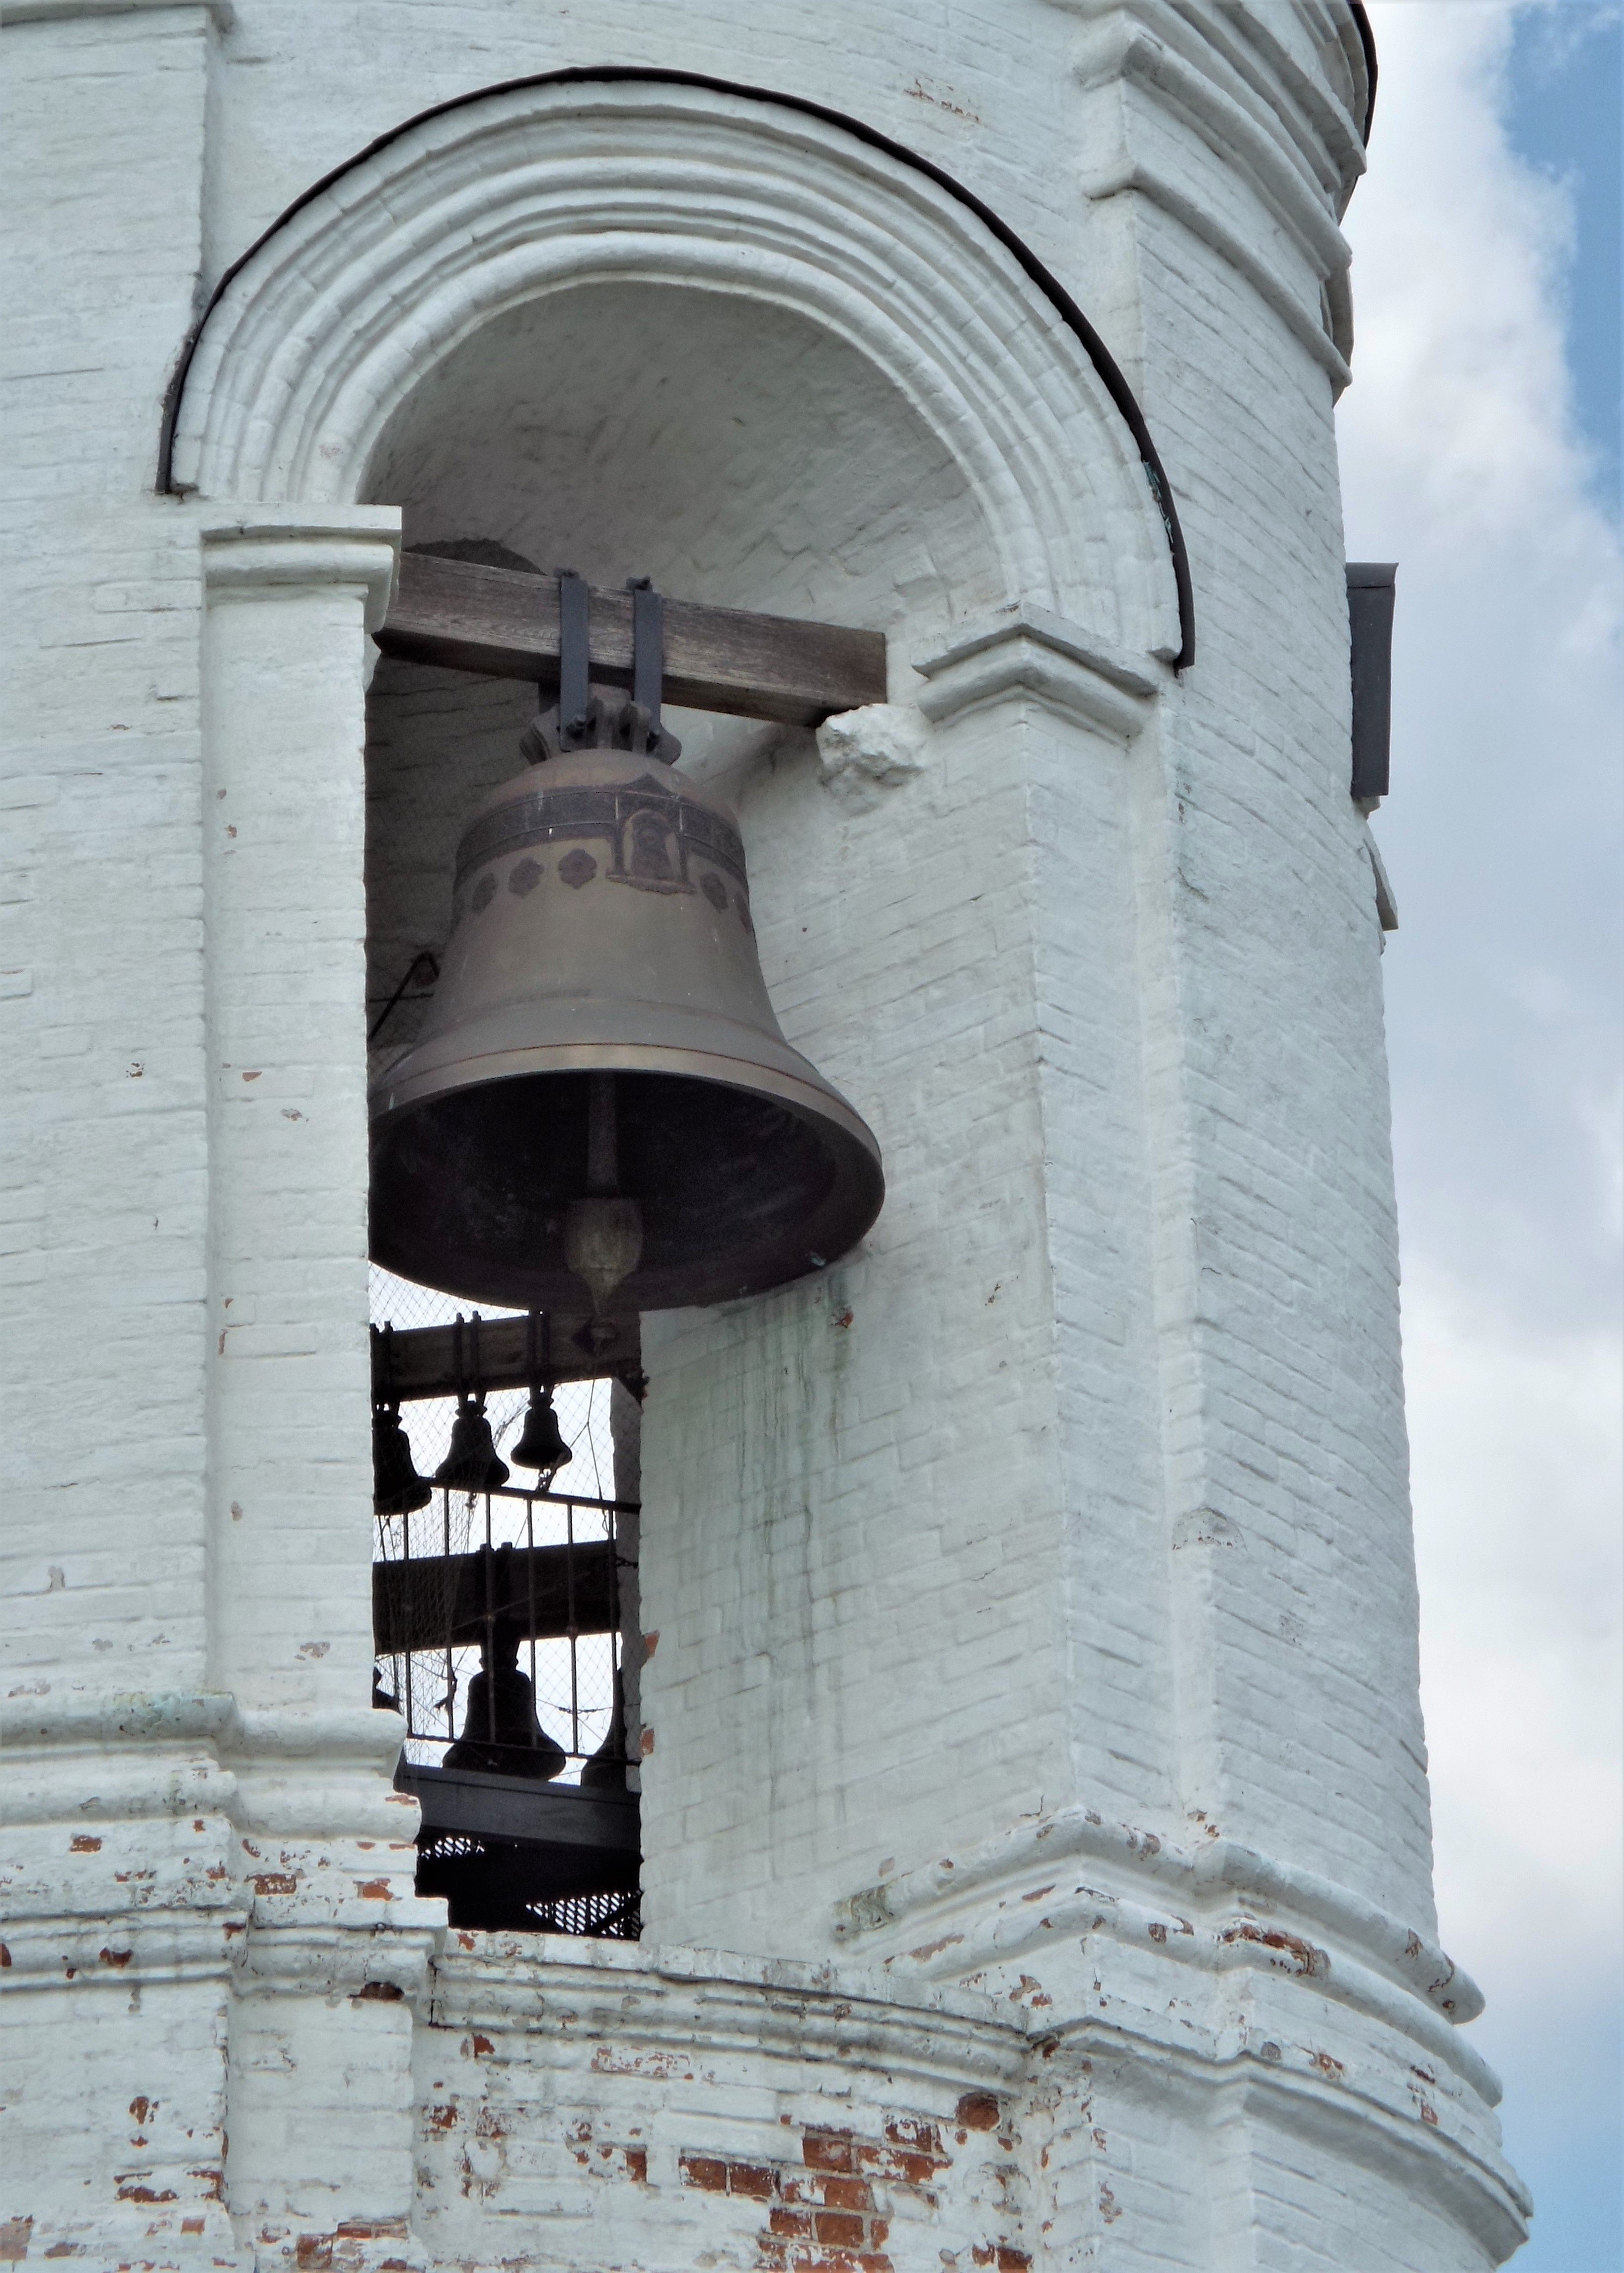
(1462, 461)
(1515, 1445)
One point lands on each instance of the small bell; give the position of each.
(605, 1770)
(397, 1488)
(501, 1734)
(470, 1463)
(542, 1444)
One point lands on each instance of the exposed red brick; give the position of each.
(756, 2181)
(847, 2193)
(978, 2110)
(795, 2222)
(704, 2172)
(826, 2150)
(840, 2227)
(81, 1844)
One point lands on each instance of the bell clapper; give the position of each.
(603, 1233)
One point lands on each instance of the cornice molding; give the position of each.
(1217, 1868)
(959, 1915)
(1027, 650)
(1264, 124)
(120, 1948)
(1324, 123)
(1126, 50)
(311, 1773)
(1313, 123)
(221, 13)
(260, 549)
(1129, 174)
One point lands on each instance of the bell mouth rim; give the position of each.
(814, 1098)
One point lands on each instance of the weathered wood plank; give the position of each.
(440, 1601)
(425, 1357)
(505, 625)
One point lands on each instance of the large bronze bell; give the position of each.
(601, 1098)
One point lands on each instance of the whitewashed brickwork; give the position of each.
(1037, 1861)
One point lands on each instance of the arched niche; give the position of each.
(645, 326)
(731, 448)
(631, 326)
(314, 345)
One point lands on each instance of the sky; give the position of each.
(1480, 451)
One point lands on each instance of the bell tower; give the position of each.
(688, 710)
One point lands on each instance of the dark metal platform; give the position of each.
(529, 1813)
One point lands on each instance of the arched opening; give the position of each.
(660, 328)
(740, 454)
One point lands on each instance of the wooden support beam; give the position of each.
(442, 1601)
(505, 625)
(425, 1357)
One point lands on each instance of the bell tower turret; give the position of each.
(929, 1772)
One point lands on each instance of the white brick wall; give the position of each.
(1032, 1591)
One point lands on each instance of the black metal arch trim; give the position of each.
(1116, 386)
(1367, 40)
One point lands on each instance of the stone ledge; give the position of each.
(260, 549)
(222, 12)
(1028, 649)
(956, 1916)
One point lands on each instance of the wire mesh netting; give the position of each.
(447, 1859)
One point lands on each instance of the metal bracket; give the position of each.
(648, 647)
(574, 661)
(582, 720)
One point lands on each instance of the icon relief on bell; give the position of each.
(716, 891)
(484, 893)
(653, 854)
(577, 868)
(525, 877)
